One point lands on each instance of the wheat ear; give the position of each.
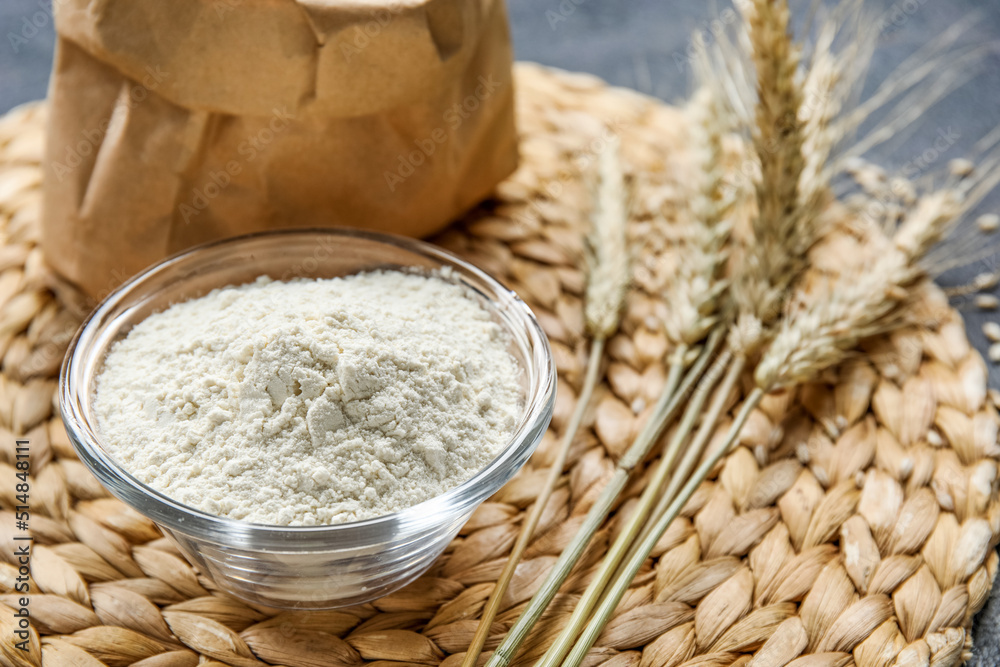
(608, 278)
(781, 236)
(821, 334)
(694, 291)
(608, 271)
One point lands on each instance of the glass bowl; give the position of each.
(303, 567)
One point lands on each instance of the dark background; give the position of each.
(642, 44)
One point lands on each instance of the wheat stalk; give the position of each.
(830, 79)
(785, 222)
(864, 301)
(695, 295)
(531, 520)
(784, 231)
(701, 439)
(608, 278)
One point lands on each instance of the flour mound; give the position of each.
(311, 402)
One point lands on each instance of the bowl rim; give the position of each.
(539, 403)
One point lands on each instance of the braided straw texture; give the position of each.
(853, 526)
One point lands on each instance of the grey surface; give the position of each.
(641, 44)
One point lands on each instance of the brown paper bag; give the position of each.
(174, 123)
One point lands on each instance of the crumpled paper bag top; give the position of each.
(246, 57)
(176, 123)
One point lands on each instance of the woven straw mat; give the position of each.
(854, 525)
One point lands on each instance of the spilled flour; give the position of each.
(311, 401)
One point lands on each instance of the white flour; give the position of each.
(311, 402)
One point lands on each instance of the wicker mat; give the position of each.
(853, 526)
